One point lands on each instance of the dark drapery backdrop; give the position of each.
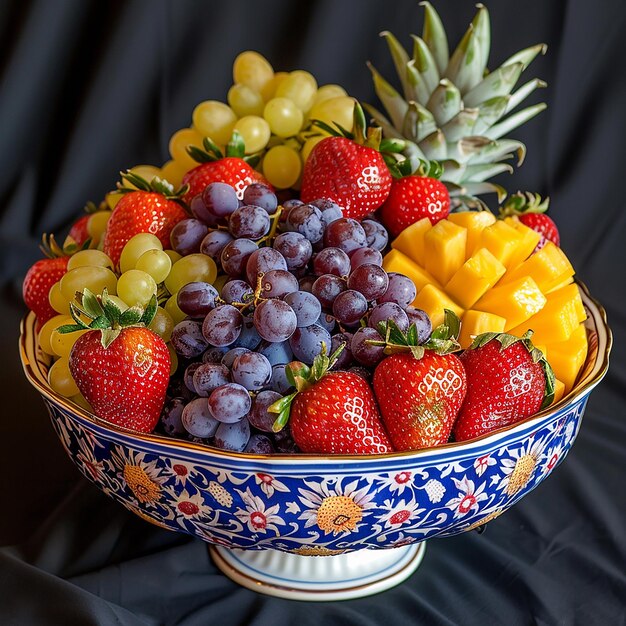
(88, 88)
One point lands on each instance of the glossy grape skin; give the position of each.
(388, 311)
(277, 352)
(220, 199)
(306, 307)
(370, 280)
(295, 248)
(350, 307)
(222, 325)
(214, 242)
(306, 220)
(236, 291)
(401, 290)
(229, 403)
(345, 233)
(201, 212)
(197, 419)
(214, 354)
(362, 256)
(249, 337)
(326, 288)
(345, 357)
(279, 382)
(362, 351)
(188, 375)
(229, 357)
(259, 416)
(261, 261)
(262, 196)
(259, 444)
(422, 322)
(251, 370)
(331, 261)
(187, 235)
(233, 437)
(196, 299)
(327, 321)
(331, 211)
(251, 222)
(209, 376)
(170, 420)
(376, 234)
(275, 320)
(235, 256)
(278, 283)
(187, 339)
(306, 343)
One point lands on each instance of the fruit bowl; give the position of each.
(267, 518)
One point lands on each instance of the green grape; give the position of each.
(255, 132)
(89, 258)
(283, 116)
(220, 281)
(309, 144)
(135, 247)
(60, 379)
(112, 198)
(156, 263)
(174, 256)
(162, 324)
(57, 300)
(120, 303)
(136, 287)
(97, 222)
(282, 166)
(147, 172)
(62, 343)
(179, 142)
(252, 69)
(173, 359)
(173, 171)
(299, 86)
(93, 278)
(191, 268)
(171, 306)
(339, 109)
(215, 120)
(43, 338)
(325, 92)
(244, 100)
(269, 90)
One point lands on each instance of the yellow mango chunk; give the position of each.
(568, 357)
(475, 277)
(444, 250)
(558, 319)
(559, 390)
(516, 302)
(565, 282)
(529, 240)
(548, 267)
(474, 222)
(411, 240)
(478, 322)
(395, 261)
(502, 240)
(433, 300)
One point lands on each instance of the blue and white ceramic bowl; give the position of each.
(311, 505)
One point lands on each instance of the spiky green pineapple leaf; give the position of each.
(395, 105)
(519, 95)
(527, 55)
(461, 125)
(513, 121)
(400, 58)
(498, 83)
(444, 102)
(435, 37)
(465, 68)
(426, 65)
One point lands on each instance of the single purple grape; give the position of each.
(187, 339)
(222, 325)
(327, 321)
(278, 283)
(401, 290)
(280, 383)
(421, 321)
(350, 307)
(306, 343)
(306, 307)
(331, 261)
(220, 199)
(259, 194)
(376, 234)
(370, 280)
(170, 421)
(197, 419)
(232, 437)
(214, 354)
(229, 403)
(345, 357)
(345, 233)
(361, 256)
(389, 311)
(236, 291)
(252, 370)
(235, 255)
(364, 352)
(209, 376)
(214, 242)
(275, 320)
(197, 298)
(259, 444)
(259, 415)
(277, 352)
(263, 260)
(187, 235)
(251, 222)
(295, 248)
(326, 288)
(306, 220)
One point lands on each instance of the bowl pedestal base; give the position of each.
(319, 578)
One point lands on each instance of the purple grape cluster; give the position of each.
(299, 279)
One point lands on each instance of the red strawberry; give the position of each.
(531, 211)
(215, 167)
(420, 392)
(122, 373)
(154, 211)
(412, 198)
(348, 170)
(78, 234)
(40, 278)
(508, 380)
(333, 413)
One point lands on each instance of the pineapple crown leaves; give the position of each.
(156, 185)
(404, 167)
(210, 151)
(523, 203)
(537, 356)
(302, 377)
(442, 340)
(105, 315)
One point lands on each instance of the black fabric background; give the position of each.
(90, 87)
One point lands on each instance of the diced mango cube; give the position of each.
(395, 261)
(502, 240)
(433, 300)
(478, 322)
(565, 282)
(568, 357)
(558, 319)
(548, 267)
(559, 390)
(475, 277)
(444, 250)
(411, 240)
(516, 301)
(529, 240)
(474, 222)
